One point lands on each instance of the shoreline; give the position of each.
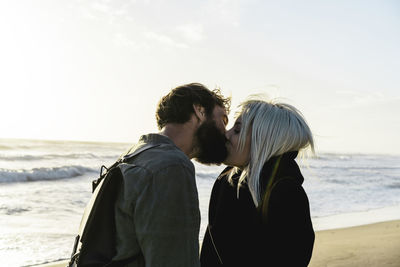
(356, 218)
(375, 244)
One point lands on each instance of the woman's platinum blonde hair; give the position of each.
(275, 128)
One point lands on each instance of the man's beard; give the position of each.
(210, 144)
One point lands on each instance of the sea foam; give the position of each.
(38, 174)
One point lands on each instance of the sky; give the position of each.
(94, 70)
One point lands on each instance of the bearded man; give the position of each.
(157, 210)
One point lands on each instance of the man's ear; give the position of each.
(200, 112)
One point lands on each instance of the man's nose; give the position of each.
(227, 134)
(222, 128)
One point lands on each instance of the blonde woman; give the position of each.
(259, 213)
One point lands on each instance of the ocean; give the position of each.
(45, 185)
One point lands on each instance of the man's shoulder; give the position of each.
(155, 164)
(162, 157)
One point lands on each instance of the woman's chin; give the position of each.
(232, 159)
(228, 160)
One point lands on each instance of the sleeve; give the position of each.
(167, 218)
(289, 230)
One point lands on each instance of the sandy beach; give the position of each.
(361, 246)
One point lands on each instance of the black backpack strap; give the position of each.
(125, 158)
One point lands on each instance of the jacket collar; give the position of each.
(154, 138)
(284, 166)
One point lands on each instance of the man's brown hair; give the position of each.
(177, 106)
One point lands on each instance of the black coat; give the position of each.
(239, 234)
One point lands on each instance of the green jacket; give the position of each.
(157, 210)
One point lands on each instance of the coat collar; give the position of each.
(285, 165)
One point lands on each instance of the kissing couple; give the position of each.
(259, 213)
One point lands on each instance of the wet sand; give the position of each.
(361, 246)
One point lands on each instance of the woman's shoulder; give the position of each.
(278, 169)
(289, 192)
(287, 184)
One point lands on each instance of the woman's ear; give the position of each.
(199, 111)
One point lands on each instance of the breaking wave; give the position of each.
(40, 174)
(54, 156)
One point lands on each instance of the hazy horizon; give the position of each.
(128, 144)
